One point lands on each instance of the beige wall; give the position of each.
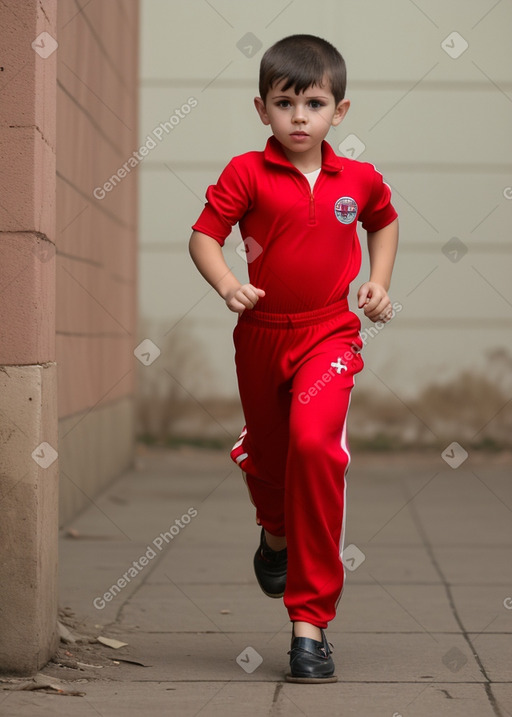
(97, 128)
(437, 127)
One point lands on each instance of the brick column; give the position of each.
(28, 382)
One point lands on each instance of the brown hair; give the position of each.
(303, 61)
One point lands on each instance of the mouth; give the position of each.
(299, 134)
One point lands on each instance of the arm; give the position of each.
(372, 295)
(207, 255)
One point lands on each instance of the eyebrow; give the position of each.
(308, 97)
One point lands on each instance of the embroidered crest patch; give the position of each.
(345, 210)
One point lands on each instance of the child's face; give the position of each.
(300, 122)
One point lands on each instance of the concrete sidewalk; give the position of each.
(424, 625)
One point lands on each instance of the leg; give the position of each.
(318, 457)
(262, 449)
(274, 542)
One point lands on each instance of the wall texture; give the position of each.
(28, 372)
(68, 290)
(97, 131)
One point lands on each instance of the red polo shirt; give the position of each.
(302, 246)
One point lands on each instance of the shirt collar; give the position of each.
(275, 154)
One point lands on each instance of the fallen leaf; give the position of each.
(45, 682)
(133, 662)
(64, 634)
(109, 642)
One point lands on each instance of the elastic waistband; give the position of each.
(292, 321)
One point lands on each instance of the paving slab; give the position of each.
(209, 563)
(503, 694)
(193, 611)
(103, 562)
(377, 514)
(488, 564)
(394, 564)
(495, 653)
(187, 564)
(359, 657)
(154, 698)
(174, 607)
(142, 511)
(395, 608)
(461, 509)
(447, 700)
(218, 699)
(482, 608)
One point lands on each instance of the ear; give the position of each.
(260, 108)
(340, 112)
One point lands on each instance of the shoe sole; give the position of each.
(271, 595)
(310, 680)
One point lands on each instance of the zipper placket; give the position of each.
(312, 213)
(312, 207)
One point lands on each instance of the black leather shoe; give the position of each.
(270, 568)
(311, 661)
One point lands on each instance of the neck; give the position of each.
(305, 161)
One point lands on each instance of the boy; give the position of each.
(296, 342)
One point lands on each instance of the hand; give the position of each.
(375, 300)
(243, 297)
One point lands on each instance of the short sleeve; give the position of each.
(378, 212)
(227, 202)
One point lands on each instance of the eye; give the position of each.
(316, 104)
(283, 103)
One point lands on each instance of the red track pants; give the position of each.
(295, 375)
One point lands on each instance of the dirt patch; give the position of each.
(79, 659)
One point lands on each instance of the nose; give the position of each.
(299, 116)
